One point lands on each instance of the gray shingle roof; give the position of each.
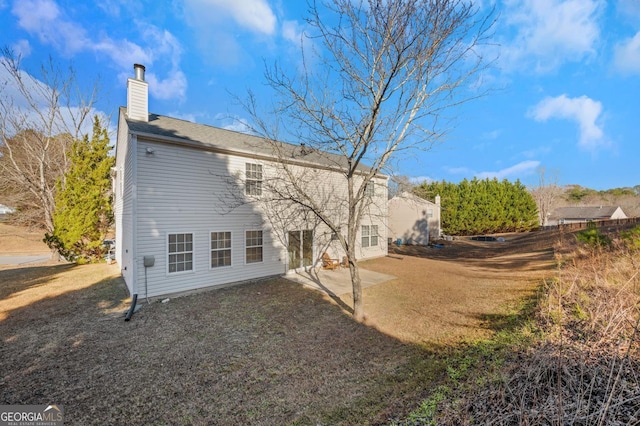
(591, 212)
(173, 130)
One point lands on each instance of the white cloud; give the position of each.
(583, 111)
(550, 32)
(29, 113)
(21, 48)
(417, 180)
(627, 55)
(520, 169)
(172, 87)
(253, 15)
(291, 31)
(48, 22)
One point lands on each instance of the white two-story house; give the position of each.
(194, 204)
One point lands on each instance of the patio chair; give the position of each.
(329, 263)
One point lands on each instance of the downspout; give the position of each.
(132, 308)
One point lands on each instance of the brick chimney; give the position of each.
(138, 95)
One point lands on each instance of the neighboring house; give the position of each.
(6, 209)
(564, 215)
(413, 220)
(188, 204)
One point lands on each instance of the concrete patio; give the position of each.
(336, 282)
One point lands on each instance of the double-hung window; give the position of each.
(369, 235)
(253, 246)
(253, 179)
(180, 252)
(220, 249)
(369, 190)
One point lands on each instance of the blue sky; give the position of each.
(565, 86)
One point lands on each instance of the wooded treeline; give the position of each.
(486, 206)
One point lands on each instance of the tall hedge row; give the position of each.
(475, 206)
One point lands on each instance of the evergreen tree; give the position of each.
(483, 206)
(83, 211)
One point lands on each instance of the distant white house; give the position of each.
(6, 209)
(564, 215)
(182, 222)
(413, 220)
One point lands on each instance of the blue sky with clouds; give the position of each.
(565, 88)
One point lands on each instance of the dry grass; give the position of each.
(16, 241)
(263, 353)
(586, 369)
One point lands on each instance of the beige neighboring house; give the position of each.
(190, 209)
(413, 220)
(564, 215)
(6, 209)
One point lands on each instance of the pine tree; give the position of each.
(83, 211)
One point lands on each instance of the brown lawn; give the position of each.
(264, 353)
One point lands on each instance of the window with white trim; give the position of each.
(220, 249)
(253, 179)
(369, 190)
(180, 252)
(369, 235)
(253, 246)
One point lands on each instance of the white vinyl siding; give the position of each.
(220, 249)
(182, 189)
(253, 247)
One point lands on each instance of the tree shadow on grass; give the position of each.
(270, 352)
(15, 280)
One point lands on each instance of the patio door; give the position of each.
(300, 248)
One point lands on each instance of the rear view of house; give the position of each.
(190, 207)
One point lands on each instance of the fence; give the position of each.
(574, 226)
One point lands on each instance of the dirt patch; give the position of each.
(270, 352)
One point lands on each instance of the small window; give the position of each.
(253, 179)
(374, 235)
(369, 235)
(253, 246)
(220, 249)
(365, 235)
(180, 251)
(369, 190)
(429, 213)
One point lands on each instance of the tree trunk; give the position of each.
(358, 306)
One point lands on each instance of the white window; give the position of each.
(253, 179)
(220, 249)
(253, 244)
(365, 235)
(374, 235)
(180, 252)
(369, 235)
(429, 213)
(369, 190)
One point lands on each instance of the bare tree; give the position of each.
(376, 79)
(545, 194)
(39, 120)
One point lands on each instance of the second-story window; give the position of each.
(253, 179)
(369, 190)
